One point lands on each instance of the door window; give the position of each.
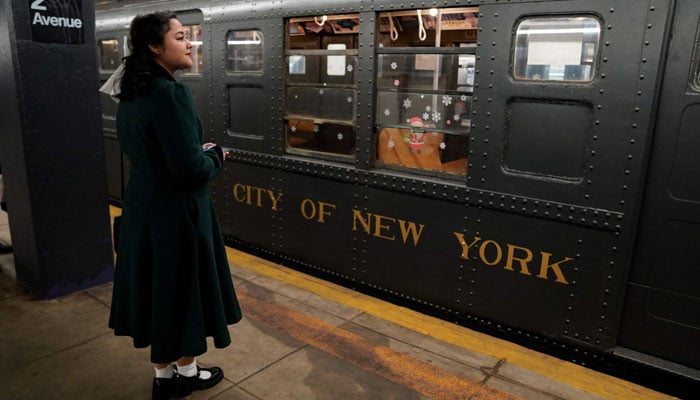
(556, 49)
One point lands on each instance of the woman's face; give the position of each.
(175, 52)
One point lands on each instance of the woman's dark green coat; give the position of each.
(172, 286)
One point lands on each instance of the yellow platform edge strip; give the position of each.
(566, 372)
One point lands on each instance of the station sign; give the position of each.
(57, 21)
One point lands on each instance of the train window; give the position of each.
(425, 80)
(194, 35)
(244, 51)
(109, 54)
(321, 85)
(556, 49)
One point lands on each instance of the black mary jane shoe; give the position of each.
(196, 383)
(169, 388)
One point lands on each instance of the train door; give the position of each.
(557, 107)
(111, 49)
(662, 308)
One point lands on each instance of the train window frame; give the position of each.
(320, 109)
(257, 39)
(569, 54)
(694, 78)
(423, 103)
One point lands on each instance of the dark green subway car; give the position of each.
(521, 167)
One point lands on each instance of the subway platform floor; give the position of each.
(300, 338)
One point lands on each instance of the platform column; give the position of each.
(51, 146)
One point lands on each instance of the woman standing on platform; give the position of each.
(173, 286)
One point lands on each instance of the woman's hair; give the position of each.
(149, 29)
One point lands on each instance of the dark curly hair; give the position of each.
(140, 66)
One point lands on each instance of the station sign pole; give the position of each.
(51, 146)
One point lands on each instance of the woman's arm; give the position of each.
(178, 130)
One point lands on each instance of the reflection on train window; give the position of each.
(193, 33)
(297, 65)
(694, 81)
(109, 54)
(556, 49)
(244, 51)
(425, 81)
(321, 85)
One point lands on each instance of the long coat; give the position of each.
(172, 286)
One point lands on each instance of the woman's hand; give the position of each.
(207, 146)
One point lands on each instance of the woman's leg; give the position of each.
(185, 361)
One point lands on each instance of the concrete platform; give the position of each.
(301, 338)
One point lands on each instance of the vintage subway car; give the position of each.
(523, 167)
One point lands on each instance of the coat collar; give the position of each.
(160, 72)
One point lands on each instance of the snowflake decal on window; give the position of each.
(340, 136)
(391, 144)
(456, 117)
(394, 65)
(407, 103)
(428, 109)
(463, 98)
(446, 100)
(443, 146)
(387, 112)
(316, 128)
(293, 128)
(436, 116)
(349, 68)
(426, 116)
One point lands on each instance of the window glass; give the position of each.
(412, 28)
(321, 85)
(244, 51)
(109, 54)
(318, 69)
(444, 72)
(321, 103)
(425, 80)
(193, 33)
(556, 49)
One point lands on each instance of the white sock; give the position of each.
(190, 370)
(187, 370)
(166, 372)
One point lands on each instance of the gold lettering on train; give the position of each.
(482, 252)
(465, 246)
(545, 266)
(410, 227)
(380, 226)
(490, 253)
(523, 261)
(310, 209)
(257, 196)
